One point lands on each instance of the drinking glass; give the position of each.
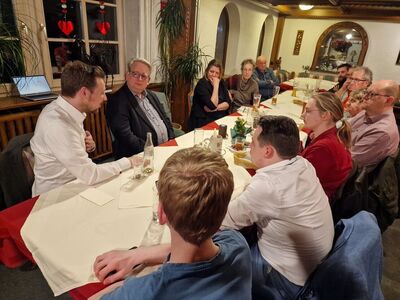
(256, 100)
(275, 92)
(198, 136)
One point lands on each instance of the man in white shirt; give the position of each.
(287, 203)
(60, 142)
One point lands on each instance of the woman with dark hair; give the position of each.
(328, 149)
(210, 99)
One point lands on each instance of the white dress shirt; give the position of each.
(292, 213)
(60, 153)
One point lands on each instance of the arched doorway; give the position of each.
(222, 37)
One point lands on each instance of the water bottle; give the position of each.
(148, 157)
(153, 234)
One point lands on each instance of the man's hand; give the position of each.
(115, 265)
(136, 160)
(89, 142)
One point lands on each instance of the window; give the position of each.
(222, 37)
(88, 33)
(261, 40)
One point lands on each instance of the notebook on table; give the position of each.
(34, 88)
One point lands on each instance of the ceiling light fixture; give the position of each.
(305, 6)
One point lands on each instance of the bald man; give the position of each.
(374, 131)
(265, 78)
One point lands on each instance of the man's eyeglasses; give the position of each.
(139, 76)
(370, 95)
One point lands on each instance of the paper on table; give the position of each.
(141, 194)
(96, 196)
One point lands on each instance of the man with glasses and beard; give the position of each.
(133, 111)
(360, 78)
(374, 131)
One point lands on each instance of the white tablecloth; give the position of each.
(302, 82)
(65, 232)
(66, 236)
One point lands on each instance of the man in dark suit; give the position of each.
(133, 111)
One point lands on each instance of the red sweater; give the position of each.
(331, 160)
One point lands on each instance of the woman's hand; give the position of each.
(215, 81)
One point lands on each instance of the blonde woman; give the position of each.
(328, 150)
(355, 103)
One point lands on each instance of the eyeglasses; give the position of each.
(357, 79)
(369, 95)
(139, 76)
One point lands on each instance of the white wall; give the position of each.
(383, 49)
(243, 41)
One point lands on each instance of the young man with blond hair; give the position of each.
(195, 187)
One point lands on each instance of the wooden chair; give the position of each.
(16, 124)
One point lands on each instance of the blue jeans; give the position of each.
(267, 282)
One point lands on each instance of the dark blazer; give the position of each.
(202, 97)
(129, 124)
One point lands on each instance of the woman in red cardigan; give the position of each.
(327, 148)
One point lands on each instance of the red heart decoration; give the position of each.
(66, 27)
(103, 27)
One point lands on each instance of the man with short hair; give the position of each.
(133, 111)
(265, 78)
(290, 209)
(342, 72)
(375, 134)
(360, 78)
(194, 187)
(60, 144)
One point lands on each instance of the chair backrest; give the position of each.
(353, 268)
(16, 171)
(163, 100)
(231, 82)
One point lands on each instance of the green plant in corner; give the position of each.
(170, 23)
(189, 65)
(15, 51)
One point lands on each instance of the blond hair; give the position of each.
(358, 95)
(329, 102)
(195, 187)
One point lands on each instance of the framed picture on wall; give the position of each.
(398, 59)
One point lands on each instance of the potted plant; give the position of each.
(16, 50)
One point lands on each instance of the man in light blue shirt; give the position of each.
(195, 187)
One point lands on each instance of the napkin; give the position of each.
(96, 196)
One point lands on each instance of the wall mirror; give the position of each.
(340, 43)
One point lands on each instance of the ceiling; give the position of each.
(343, 9)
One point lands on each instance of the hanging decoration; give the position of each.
(163, 4)
(65, 25)
(103, 27)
